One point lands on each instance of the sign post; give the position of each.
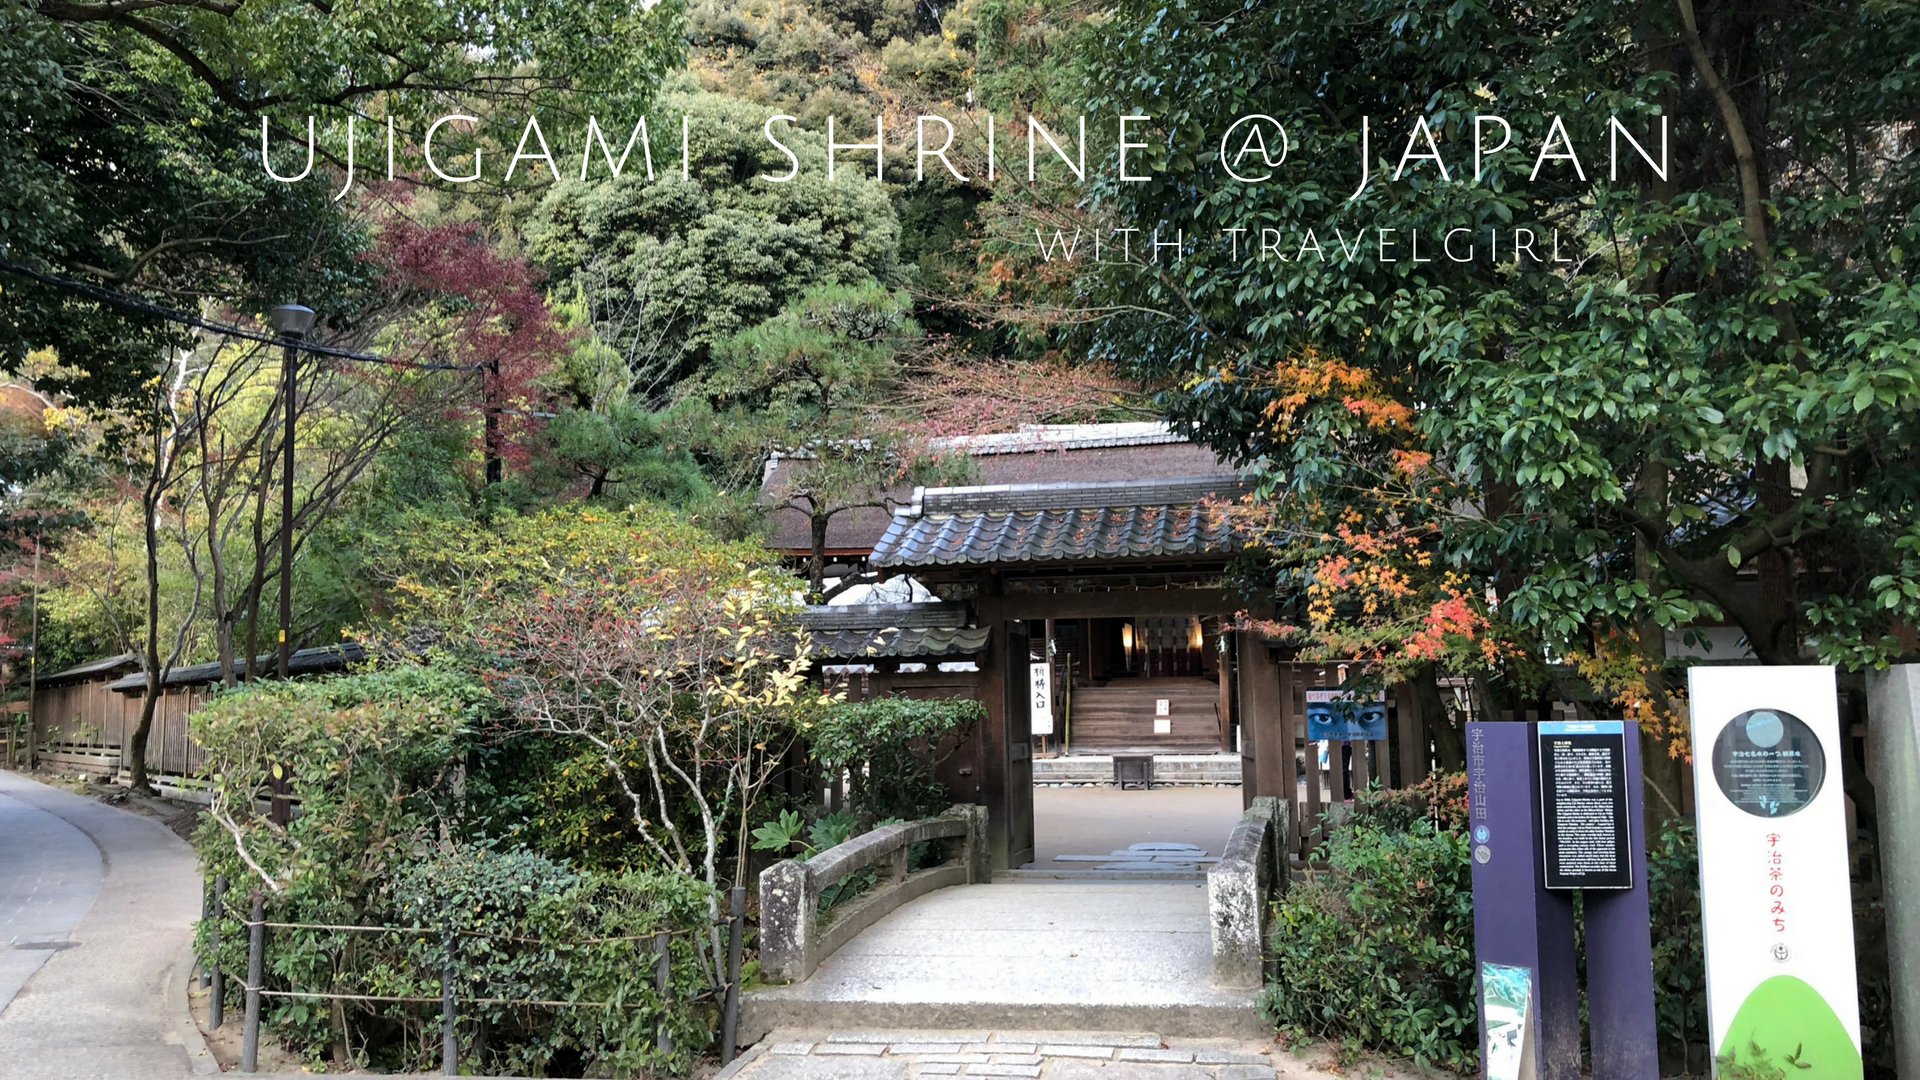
(1522, 933)
(1623, 1029)
(1774, 883)
(1556, 808)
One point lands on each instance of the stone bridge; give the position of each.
(942, 946)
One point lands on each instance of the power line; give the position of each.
(148, 307)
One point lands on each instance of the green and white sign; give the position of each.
(1781, 992)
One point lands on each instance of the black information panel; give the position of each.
(1583, 805)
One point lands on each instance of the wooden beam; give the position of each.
(1120, 604)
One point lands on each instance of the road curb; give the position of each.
(739, 1064)
(180, 975)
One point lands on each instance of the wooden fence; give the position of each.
(85, 727)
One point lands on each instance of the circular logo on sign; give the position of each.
(1768, 762)
(1780, 952)
(1482, 853)
(1481, 833)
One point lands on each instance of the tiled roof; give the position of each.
(868, 616)
(303, 662)
(105, 665)
(900, 642)
(1035, 437)
(847, 631)
(1044, 523)
(1044, 454)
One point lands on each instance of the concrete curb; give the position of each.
(194, 1043)
(739, 1064)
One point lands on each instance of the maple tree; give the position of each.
(672, 654)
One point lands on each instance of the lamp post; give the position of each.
(292, 322)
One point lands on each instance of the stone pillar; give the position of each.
(1893, 764)
(971, 850)
(786, 922)
(1239, 888)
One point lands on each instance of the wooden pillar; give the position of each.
(1265, 722)
(993, 733)
(1225, 674)
(1410, 736)
(1288, 770)
(1006, 745)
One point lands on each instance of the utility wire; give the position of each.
(148, 307)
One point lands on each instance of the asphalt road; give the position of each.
(97, 907)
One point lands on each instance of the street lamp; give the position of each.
(292, 322)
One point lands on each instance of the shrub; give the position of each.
(1679, 960)
(1441, 799)
(890, 748)
(1377, 949)
(374, 760)
(531, 929)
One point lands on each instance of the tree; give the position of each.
(669, 268)
(809, 383)
(668, 652)
(1704, 415)
(453, 300)
(136, 161)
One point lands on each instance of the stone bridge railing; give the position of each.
(1240, 889)
(793, 938)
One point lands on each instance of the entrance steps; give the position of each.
(1168, 769)
(1121, 714)
(1066, 956)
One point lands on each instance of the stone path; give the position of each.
(1146, 858)
(101, 903)
(1092, 955)
(1096, 820)
(1041, 1055)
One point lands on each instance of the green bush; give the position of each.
(530, 929)
(1376, 950)
(890, 748)
(1440, 798)
(1679, 959)
(383, 838)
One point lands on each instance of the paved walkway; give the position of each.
(1098, 820)
(96, 913)
(1105, 955)
(1040, 1055)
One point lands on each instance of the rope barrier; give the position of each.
(402, 999)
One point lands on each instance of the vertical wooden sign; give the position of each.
(1774, 886)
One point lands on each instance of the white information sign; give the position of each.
(1774, 893)
(1040, 694)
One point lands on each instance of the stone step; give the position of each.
(761, 1014)
(1168, 768)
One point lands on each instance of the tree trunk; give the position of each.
(136, 747)
(1662, 773)
(817, 560)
